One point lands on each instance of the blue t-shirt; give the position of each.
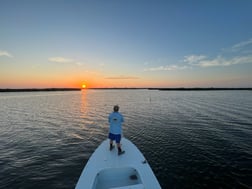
(115, 120)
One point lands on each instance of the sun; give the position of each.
(83, 86)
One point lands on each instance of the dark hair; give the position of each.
(116, 108)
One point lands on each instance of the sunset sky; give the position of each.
(125, 43)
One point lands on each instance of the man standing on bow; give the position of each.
(115, 129)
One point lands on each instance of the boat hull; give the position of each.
(106, 170)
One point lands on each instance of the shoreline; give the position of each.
(158, 89)
(177, 89)
(203, 89)
(39, 89)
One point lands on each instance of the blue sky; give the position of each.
(126, 43)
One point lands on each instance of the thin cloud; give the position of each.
(5, 53)
(65, 60)
(218, 61)
(166, 68)
(204, 62)
(193, 58)
(239, 53)
(242, 45)
(60, 60)
(122, 77)
(79, 63)
(102, 64)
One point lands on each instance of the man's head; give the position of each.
(116, 108)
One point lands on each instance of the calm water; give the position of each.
(192, 139)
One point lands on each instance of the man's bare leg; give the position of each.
(111, 145)
(120, 151)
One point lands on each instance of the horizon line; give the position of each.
(124, 88)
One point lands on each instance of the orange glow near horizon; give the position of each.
(78, 78)
(92, 80)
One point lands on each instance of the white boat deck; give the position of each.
(106, 170)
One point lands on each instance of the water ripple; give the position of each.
(191, 139)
